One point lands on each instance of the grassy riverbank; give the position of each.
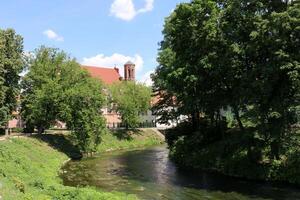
(29, 166)
(121, 139)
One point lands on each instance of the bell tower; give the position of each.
(129, 71)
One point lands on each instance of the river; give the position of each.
(150, 175)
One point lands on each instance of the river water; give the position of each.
(149, 174)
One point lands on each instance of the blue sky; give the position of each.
(95, 32)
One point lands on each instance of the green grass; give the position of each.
(119, 140)
(29, 167)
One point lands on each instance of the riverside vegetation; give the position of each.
(233, 68)
(30, 166)
(55, 87)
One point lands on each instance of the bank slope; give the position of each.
(229, 157)
(29, 170)
(129, 139)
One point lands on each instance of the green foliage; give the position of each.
(56, 88)
(19, 185)
(85, 100)
(258, 78)
(186, 69)
(241, 57)
(17, 130)
(43, 88)
(230, 157)
(26, 173)
(122, 139)
(11, 65)
(130, 100)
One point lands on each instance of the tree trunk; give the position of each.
(275, 150)
(41, 130)
(6, 129)
(195, 120)
(238, 118)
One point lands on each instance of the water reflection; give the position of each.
(151, 175)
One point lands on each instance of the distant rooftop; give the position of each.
(107, 75)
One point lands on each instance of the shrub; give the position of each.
(19, 184)
(17, 130)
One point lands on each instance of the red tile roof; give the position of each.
(107, 75)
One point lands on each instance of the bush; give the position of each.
(230, 157)
(17, 130)
(175, 133)
(290, 168)
(19, 184)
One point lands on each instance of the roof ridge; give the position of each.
(98, 67)
(107, 75)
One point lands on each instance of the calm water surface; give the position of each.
(149, 174)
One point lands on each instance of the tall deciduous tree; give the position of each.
(11, 65)
(41, 88)
(242, 55)
(274, 45)
(82, 112)
(56, 88)
(186, 59)
(131, 99)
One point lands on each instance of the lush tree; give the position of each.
(130, 100)
(186, 59)
(82, 112)
(41, 89)
(166, 108)
(56, 88)
(274, 45)
(11, 65)
(261, 64)
(236, 55)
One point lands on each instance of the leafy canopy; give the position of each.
(56, 88)
(241, 56)
(11, 65)
(130, 100)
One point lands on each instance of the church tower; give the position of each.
(129, 71)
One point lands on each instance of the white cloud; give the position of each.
(53, 36)
(125, 9)
(148, 7)
(116, 59)
(146, 79)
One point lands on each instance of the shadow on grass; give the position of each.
(62, 144)
(123, 134)
(2, 131)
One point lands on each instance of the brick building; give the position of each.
(109, 76)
